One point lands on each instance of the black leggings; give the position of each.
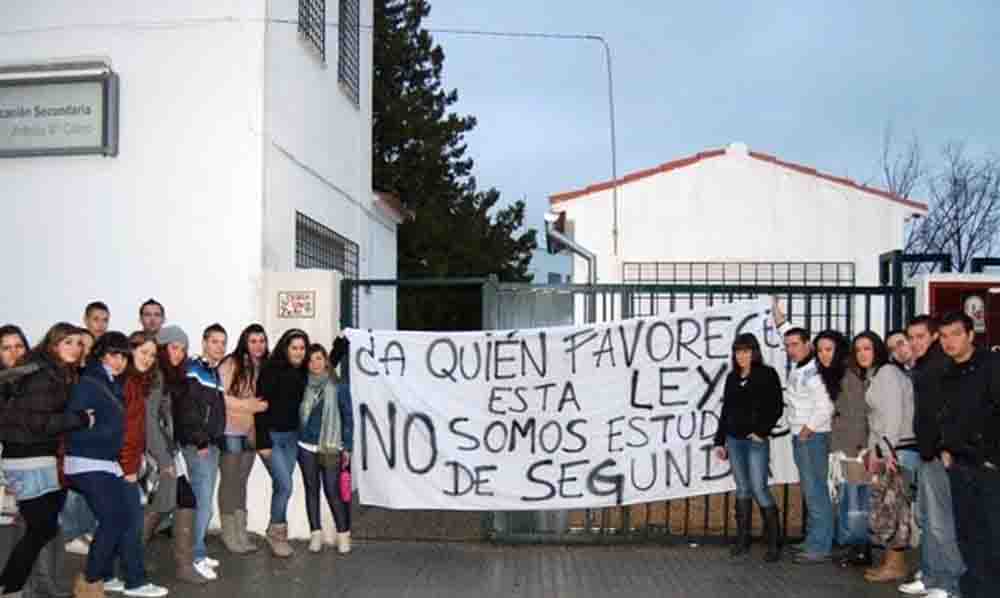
(41, 517)
(313, 475)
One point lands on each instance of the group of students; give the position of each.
(142, 432)
(923, 406)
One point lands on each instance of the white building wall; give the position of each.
(736, 208)
(176, 215)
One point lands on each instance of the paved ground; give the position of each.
(415, 569)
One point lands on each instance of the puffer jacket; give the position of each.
(200, 410)
(33, 414)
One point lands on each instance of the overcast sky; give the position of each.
(811, 82)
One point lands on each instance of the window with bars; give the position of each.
(822, 310)
(312, 25)
(320, 248)
(349, 49)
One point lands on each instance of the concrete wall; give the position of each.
(177, 214)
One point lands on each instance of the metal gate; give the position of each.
(705, 519)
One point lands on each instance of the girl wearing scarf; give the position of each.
(325, 441)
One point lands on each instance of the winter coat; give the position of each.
(135, 424)
(750, 406)
(105, 396)
(890, 408)
(849, 432)
(927, 376)
(200, 410)
(33, 410)
(970, 415)
(282, 386)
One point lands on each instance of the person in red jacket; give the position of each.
(138, 381)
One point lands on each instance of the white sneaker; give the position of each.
(939, 593)
(913, 588)
(205, 570)
(78, 546)
(316, 541)
(211, 562)
(148, 591)
(114, 585)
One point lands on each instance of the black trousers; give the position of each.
(975, 493)
(41, 518)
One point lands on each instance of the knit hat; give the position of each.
(172, 334)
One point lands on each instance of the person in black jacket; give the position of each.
(33, 418)
(751, 406)
(199, 426)
(282, 383)
(941, 564)
(970, 450)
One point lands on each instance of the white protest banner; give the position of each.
(576, 417)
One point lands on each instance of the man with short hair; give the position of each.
(199, 425)
(810, 417)
(941, 564)
(152, 315)
(96, 318)
(970, 451)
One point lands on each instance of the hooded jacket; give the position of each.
(33, 410)
(98, 391)
(200, 409)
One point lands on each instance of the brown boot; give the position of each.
(150, 521)
(184, 547)
(241, 530)
(230, 535)
(277, 537)
(84, 589)
(893, 568)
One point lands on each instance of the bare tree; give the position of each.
(903, 171)
(964, 215)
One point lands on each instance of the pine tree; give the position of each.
(420, 154)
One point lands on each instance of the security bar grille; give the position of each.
(312, 24)
(348, 57)
(317, 247)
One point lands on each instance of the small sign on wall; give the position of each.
(296, 304)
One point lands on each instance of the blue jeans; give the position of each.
(109, 499)
(853, 511)
(812, 459)
(281, 466)
(940, 560)
(77, 518)
(203, 472)
(131, 539)
(751, 461)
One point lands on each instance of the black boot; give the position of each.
(742, 544)
(772, 532)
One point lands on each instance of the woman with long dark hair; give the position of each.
(33, 418)
(282, 384)
(751, 406)
(889, 397)
(93, 466)
(240, 371)
(325, 440)
(175, 490)
(849, 433)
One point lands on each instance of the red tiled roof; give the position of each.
(688, 161)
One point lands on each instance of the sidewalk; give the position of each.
(414, 569)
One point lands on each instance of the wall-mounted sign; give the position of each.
(296, 304)
(53, 110)
(975, 307)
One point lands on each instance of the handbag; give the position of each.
(345, 481)
(891, 509)
(148, 478)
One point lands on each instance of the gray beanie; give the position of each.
(172, 334)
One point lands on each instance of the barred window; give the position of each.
(312, 24)
(318, 247)
(349, 57)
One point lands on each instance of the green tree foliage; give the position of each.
(420, 154)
